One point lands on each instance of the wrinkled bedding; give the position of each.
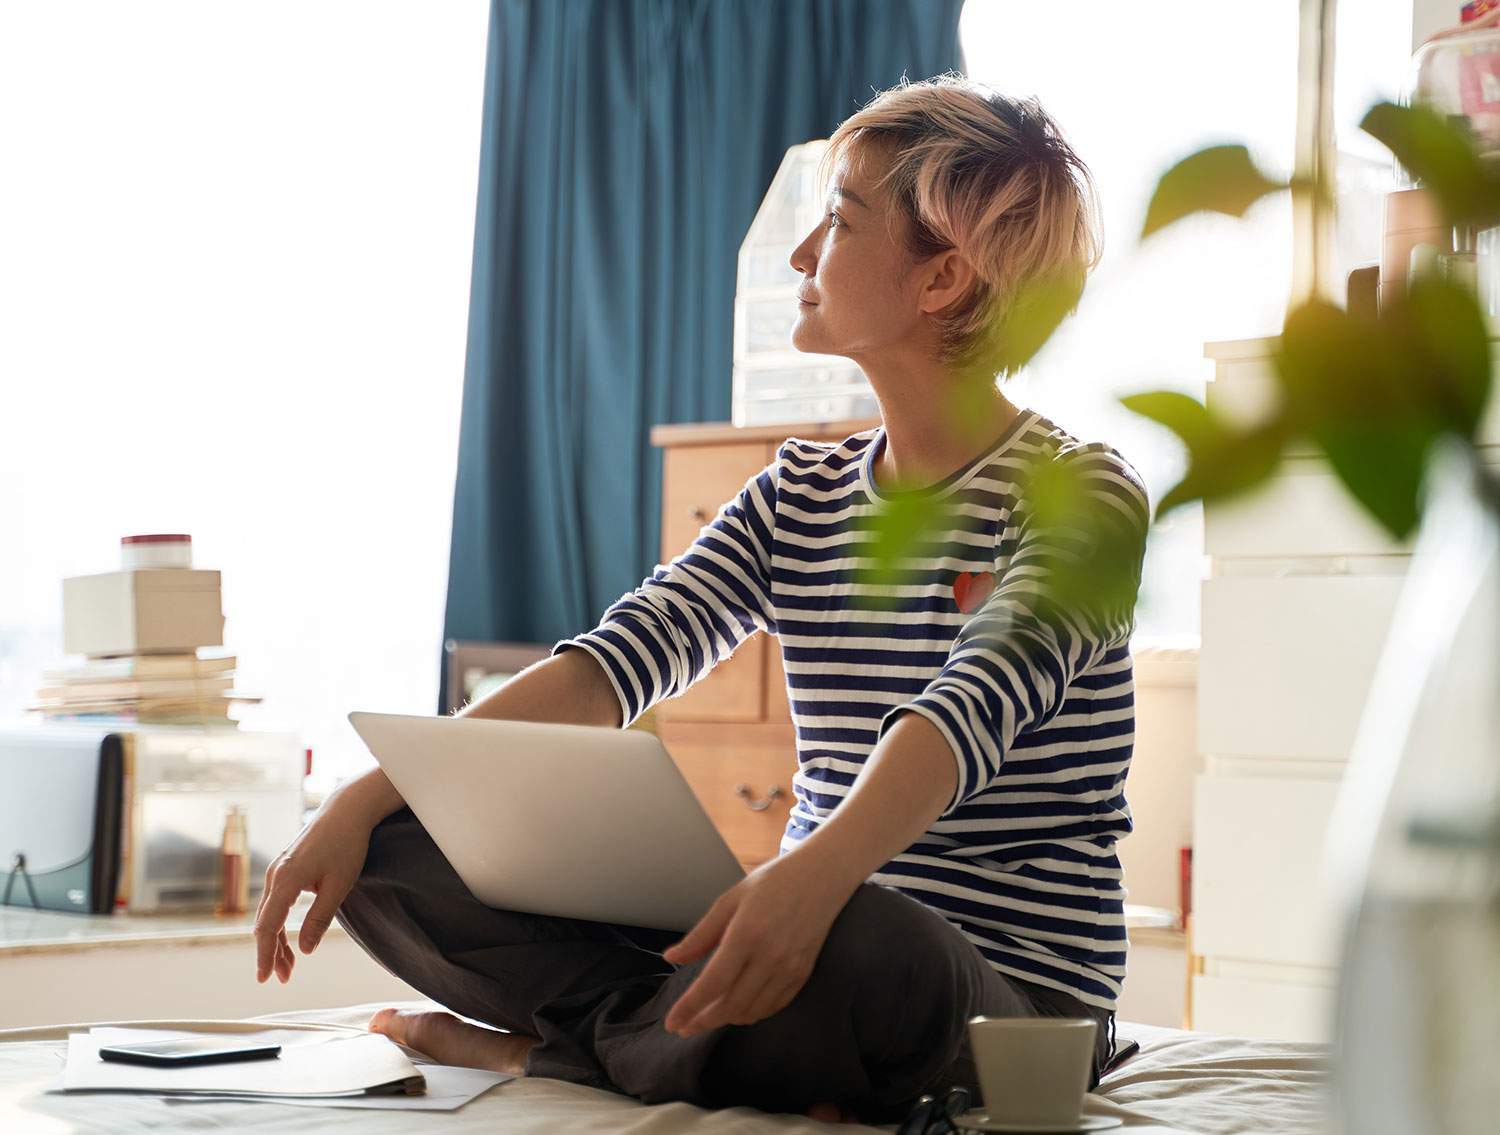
(1180, 1081)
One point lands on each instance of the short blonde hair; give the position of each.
(991, 177)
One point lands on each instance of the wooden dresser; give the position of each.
(732, 733)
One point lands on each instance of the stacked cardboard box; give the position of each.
(140, 631)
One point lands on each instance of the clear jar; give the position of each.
(1457, 73)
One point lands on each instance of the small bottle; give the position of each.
(234, 865)
(1461, 265)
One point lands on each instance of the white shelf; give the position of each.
(27, 931)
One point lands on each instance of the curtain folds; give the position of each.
(626, 146)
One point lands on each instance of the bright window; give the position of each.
(235, 274)
(1135, 87)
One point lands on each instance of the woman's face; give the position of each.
(859, 293)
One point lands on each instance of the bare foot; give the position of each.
(446, 1039)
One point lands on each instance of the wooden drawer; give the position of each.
(733, 691)
(1286, 662)
(705, 466)
(716, 762)
(1258, 891)
(698, 481)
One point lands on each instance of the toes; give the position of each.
(389, 1022)
(438, 1036)
(446, 1039)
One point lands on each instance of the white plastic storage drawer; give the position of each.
(1258, 889)
(1245, 390)
(1304, 510)
(1286, 663)
(1271, 1010)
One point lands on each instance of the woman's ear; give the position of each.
(947, 278)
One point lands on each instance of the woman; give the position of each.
(962, 749)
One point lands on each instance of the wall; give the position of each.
(1160, 785)
(1160, 791)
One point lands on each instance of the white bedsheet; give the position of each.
(1180, 1081)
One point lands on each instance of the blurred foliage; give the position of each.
(1093, 569)
(1028, 321)
(1371, 392)
(1440, 155)
(1220, 179)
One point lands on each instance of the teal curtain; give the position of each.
(626, 146)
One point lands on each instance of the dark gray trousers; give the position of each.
(882, 1018)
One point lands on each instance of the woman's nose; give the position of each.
(800, 260)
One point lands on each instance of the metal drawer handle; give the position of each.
(743, 790)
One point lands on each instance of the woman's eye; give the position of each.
(834, 220)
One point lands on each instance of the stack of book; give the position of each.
(155, 688)
(139, 630)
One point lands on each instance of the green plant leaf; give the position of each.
(1445, 338)
(1222, 462)
(902, 529)
(1027, 319)
(1241, 460)
(1336, 366)
(1098, 573)
(1354, 385)
(1220, 179)
(1387, 479)
(1441, 156)
(1185, 416)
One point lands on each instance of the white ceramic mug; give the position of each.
(1033, 1070)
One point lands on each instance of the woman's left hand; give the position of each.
(769, 928)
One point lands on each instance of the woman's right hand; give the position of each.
(325, 858)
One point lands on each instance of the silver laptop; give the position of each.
(577, 821)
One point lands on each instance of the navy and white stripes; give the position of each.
(1036, 702)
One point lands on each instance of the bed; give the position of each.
(1179, 1081)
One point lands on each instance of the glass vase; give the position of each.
(1415, 839)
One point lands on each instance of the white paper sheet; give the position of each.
(448, 1089)
(346, 1065)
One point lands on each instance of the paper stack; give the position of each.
(314, 1068)
(140, 630)
(143, 688)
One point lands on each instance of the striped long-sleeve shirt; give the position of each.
(1038, 709)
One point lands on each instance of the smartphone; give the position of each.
(191, 1050)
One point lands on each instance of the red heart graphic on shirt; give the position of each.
(970, 589)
